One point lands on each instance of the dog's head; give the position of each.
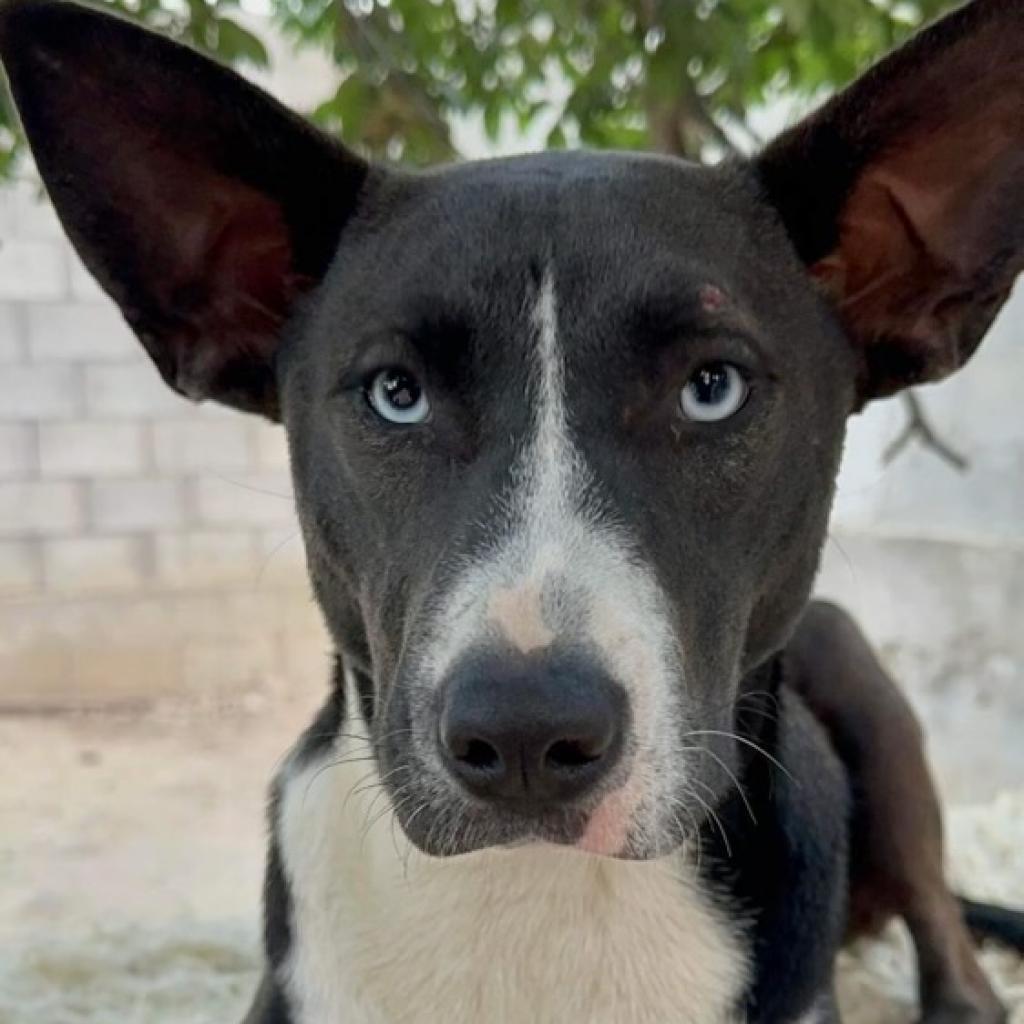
(563, 427)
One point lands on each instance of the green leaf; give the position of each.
(408, 67)
(238, 45)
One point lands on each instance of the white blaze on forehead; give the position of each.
(563, 570)
(543, 506)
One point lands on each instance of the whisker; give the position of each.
(389, 805)
(408, 824)
(736, 782)
(750, 743)
(340, 762)
(714, 817)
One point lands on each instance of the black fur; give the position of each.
(992, 922)
(786, 879)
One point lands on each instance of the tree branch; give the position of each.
(664, 127)
(703, 120)
(918, 426)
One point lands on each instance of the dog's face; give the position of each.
(563, 427)
(540, 419)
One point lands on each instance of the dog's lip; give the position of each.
(495, 827)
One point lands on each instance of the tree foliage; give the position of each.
(674, 75)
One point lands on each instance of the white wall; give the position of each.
(147, 546)
(932, 560)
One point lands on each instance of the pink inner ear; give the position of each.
(249, 268)
(221, 271)
(920, 232)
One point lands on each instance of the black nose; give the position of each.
(538, 733)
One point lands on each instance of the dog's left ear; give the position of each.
(905, 195)
(202, 206)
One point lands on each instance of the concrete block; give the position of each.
(39, 392)
(75, 331)
(132, 671)
(17, 450)
(119, 505)
(253, 499)
(37, 676)
(282, 558)
(197, 444)
(12, 344)
(229, 664)
(34, 216)
(205, 559)
(91, 449)
(20, 567)
(94, 650)
(32, 270)
(132, 390)
(38, 508)
(83, 285)
(271, 446)
(94, 564)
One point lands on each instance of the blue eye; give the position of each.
(714, 392)
(398, 397)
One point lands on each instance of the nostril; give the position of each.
(534, 735)
(569, 754)
(479, 754)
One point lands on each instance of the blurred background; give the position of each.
(158, 645)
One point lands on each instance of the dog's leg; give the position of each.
(896, 854)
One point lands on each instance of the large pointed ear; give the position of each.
(905, 194)
(200, 204)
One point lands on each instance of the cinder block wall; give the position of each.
(148, 548)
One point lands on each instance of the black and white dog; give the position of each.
(564, 430)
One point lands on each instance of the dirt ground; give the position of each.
(131, 853)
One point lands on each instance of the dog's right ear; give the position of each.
(202, 206)
(904, 195)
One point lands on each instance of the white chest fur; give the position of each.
(384, 935)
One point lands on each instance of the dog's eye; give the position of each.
(396, 395)
(715, 392)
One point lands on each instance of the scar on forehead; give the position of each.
(712, 298)
(517, 612)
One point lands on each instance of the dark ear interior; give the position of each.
(905, 194)
(200, 204)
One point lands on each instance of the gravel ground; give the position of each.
(130, 859)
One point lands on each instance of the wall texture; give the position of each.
(147, 546)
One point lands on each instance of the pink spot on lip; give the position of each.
(712, 298)
(608, 828)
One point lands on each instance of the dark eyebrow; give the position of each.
(440, 333)
(658, 316)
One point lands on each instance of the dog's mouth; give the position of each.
(449, 830)
(442, 821)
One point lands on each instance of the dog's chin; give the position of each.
(455, 830)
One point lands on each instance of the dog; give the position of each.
(564, 430)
